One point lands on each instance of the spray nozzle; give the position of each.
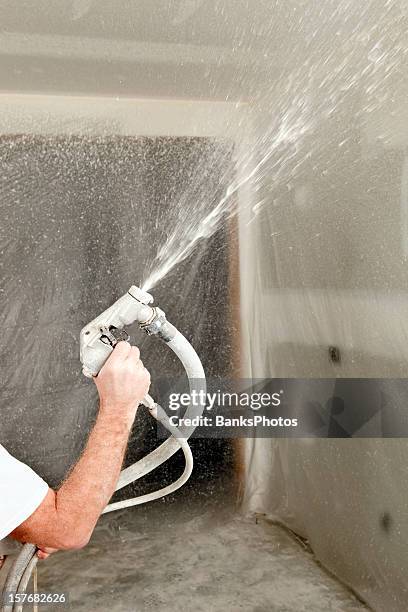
(141, 296)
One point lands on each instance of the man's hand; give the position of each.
(123, 381)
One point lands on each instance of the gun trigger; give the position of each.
(112, 335)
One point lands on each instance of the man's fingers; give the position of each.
(134, 353)
(118, 355)
(121, 350)
(42, 555)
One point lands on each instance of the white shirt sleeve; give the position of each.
(21, 492)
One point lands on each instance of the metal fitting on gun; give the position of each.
(158, 325)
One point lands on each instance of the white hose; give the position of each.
(196, 377)
(158, 413)
(195, 372)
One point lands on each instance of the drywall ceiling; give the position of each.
(180, 48)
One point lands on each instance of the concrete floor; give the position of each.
(178, 557)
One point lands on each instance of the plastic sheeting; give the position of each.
(323, 264)
(80, 224)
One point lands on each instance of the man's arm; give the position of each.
(66, 518)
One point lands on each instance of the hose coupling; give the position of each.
(155, 322)
(158, 325)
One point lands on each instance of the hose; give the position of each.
(159, 414)
(15, 575)
(196, 377)
(143, 499)
(25, 579)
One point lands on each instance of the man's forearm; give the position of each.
(87, 490)
(69, 516)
